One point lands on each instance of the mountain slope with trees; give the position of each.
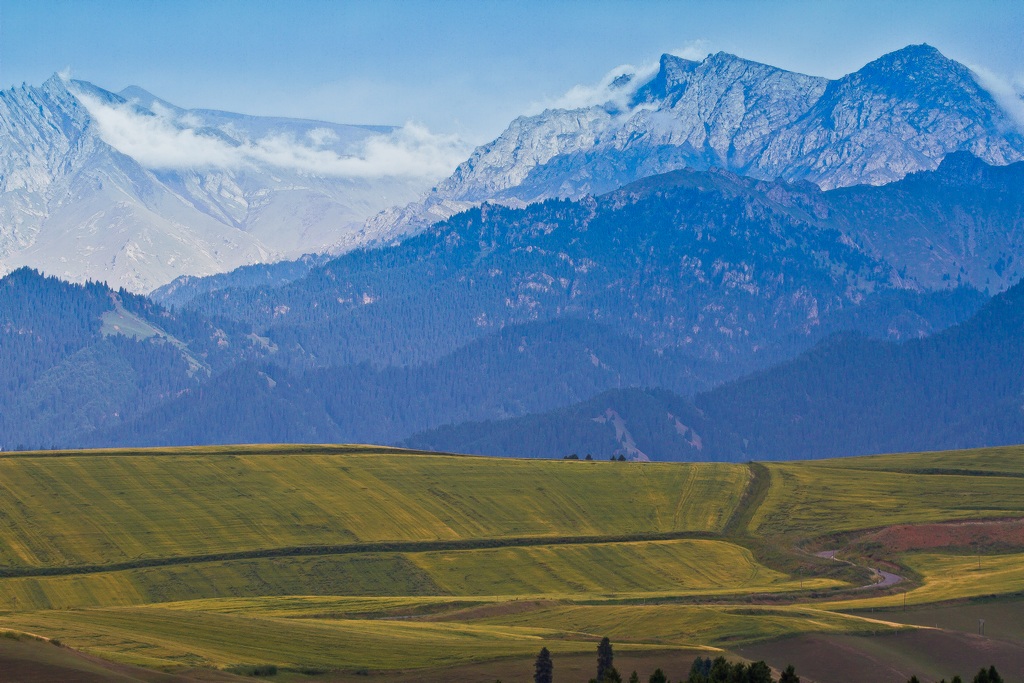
(850, 395)
(679, 282)
(75, 358)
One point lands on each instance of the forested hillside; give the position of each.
(678, 283)
(724, 267)
(849, 395)
(74, 358)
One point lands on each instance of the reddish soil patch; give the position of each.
(1001, 534)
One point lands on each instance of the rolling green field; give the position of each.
(807, 499)
(663, 568)
(120, 508)
(346, 559)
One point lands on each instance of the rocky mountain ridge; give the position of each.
(898, 114)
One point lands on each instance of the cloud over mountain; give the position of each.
(162, 139)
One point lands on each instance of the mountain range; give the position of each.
(131, 190)
(898, 114)
(642, 275)
(850, 395)
(681, 282)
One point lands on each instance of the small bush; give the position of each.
(254, 669)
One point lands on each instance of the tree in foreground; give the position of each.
(789, 675)
(658, 677)
(721, 671)
(759, 672)
(699, 671)
(544, 668)
(988, 676)
(634, 677)
(604, 659)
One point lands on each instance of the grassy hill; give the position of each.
(344, 559)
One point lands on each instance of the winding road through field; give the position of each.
(888, 578)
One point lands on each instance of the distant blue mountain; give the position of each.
(851, 395)
(681, 282)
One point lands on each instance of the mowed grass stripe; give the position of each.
(175, 637)
(690, 566)
(994, 461)
(153, 636)
(716, 625)
(101, 510)
(231, 449)
(573, 571)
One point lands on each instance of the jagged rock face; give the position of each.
(74, 206)
(901, 113)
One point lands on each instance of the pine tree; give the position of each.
(700, 670)
(634, 677)
(789, 675)
(544, 667)
(604, 658)
(759, 672)
(988, 676)
(720, 671)
(658, 677)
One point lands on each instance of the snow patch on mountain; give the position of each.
(132, 190)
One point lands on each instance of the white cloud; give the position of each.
(618, 86)
(616, 89)
(1007, 93)
(322, 136)
(165, 141)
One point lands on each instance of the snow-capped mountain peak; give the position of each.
(902, 112)
(133, 190)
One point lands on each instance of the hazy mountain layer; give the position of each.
(961, 388)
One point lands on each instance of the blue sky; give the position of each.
(459, 67)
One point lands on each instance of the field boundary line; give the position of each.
(384, 547)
